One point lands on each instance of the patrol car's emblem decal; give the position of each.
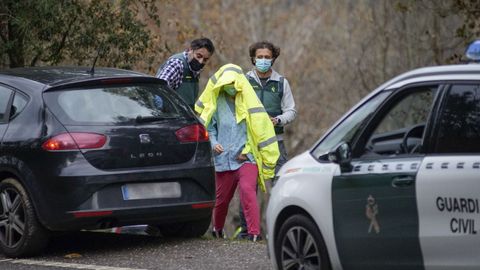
(371, 213)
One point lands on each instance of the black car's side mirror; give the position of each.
(342, 155)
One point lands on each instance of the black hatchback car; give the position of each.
(82, 150)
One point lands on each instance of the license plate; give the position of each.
(140, 191)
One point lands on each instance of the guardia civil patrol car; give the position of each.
(394, 184)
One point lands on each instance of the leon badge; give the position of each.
(371, 213)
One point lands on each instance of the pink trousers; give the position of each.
(226, 183)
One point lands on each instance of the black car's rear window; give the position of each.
(114, 104)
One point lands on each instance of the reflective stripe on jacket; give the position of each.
(261, 139)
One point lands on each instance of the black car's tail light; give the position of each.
(203, 205)
(75, 141)
(193, 133)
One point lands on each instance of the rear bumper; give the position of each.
(87, 202)
(134, 216)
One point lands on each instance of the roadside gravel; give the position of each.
(137, 251)
(207, 254)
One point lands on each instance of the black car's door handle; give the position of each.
(402, 181)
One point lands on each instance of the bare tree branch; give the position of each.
(3, 37)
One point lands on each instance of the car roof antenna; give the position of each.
(100, 50)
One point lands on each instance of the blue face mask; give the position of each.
(262, 64)
(230, 90)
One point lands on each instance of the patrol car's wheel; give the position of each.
(20, 232)
(299, 245)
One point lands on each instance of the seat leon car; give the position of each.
(394, 184)
(88, 150)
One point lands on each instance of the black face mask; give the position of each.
(195, 65)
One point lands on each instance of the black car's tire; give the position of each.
(299, 245)
(20, 232)
(188, 229)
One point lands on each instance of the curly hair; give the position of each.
(263, 45)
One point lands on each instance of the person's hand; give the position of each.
(218, 148)
(242, 157)
(274, 120)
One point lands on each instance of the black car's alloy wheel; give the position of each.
(20, 232)
(299, 245)
(12, 217)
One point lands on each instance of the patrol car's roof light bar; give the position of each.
(473, 52)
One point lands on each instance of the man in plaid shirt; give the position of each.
(181, 70)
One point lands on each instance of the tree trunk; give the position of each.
(15, 53)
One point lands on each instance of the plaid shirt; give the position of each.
(172, 72)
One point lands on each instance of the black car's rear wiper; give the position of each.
(148, 119)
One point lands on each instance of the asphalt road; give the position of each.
(110, 251)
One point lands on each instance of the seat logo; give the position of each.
(145, 138)
(371, 212)
(146, 155)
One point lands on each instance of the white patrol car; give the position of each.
(395, 184)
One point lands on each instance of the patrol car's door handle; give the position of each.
(402, 181)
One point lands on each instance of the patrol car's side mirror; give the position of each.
(341, 155)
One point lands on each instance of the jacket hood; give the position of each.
(228, 74)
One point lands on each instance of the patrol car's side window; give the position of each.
(5, 94)
(410, 111)
(401, 128)
(348, 128)
(459, 122)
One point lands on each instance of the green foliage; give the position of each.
(73, 31)
(402, 7)
(464, 13)
(470, 12)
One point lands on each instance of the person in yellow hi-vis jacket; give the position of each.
(243, 141)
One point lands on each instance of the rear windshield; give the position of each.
(116, 104)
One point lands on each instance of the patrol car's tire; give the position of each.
(21, 234)
(189, 229)
(299, 245)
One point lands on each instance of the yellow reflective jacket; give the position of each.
(261, 139)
